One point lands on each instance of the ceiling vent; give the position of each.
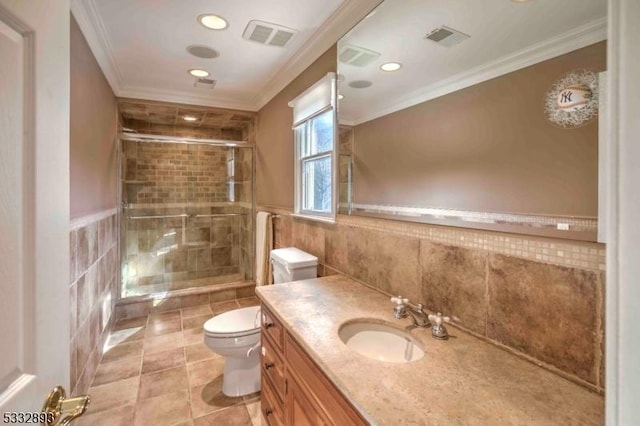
(357, 56)
(204, 82)
(446, 36)
(268, 34)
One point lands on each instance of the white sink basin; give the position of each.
(380, 342)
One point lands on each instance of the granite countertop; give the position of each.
(463, 380)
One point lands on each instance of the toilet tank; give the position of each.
(292, 264)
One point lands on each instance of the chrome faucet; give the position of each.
(403, 309)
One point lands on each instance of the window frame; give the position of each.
(299, 160)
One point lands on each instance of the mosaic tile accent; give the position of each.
(579, 254)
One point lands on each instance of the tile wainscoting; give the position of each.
(540, 298)
(94, 275)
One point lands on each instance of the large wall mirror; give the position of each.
(478, 114)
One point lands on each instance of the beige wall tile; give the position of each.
(282, 231)
(196, 311)
(243, 292)
(454, 283)
(336, 247)
(308, 236)
(397, 265)
(545, 311)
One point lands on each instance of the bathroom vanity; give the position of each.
(294, 389)
(309, 376)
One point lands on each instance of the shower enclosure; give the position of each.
(187, 214)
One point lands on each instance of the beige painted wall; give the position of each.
(488, 147)
(93, 132)
(274, 162)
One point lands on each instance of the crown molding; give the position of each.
(95, 33)
(348, 14)
(186, 98)
(345, 17)
(569, 41)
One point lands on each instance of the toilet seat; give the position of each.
(237, 323)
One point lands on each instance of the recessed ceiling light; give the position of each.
(213, 22)
(196, 72)
(190, 118)
(340, 97)
(391, 66)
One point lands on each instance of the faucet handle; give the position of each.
(399, 300)
(439, 331)
(438, 318)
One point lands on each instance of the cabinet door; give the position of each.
(326, 398)
(300, 411)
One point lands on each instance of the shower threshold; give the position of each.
(185, 287)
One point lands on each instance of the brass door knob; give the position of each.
(58, 405)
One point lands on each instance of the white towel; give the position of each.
(264, 244)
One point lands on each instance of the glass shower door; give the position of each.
(187, 217)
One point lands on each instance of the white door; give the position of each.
(34, 202)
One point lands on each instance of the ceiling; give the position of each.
(170, 114)
(141, 45)
(505, 36)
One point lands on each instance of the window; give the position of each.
(315, 151)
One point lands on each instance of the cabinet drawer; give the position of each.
(271, 407)
(271, 327)
(273, 367)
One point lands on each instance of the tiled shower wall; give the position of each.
(179, 173)
(540, 297)
(94, 273)
(189, 219)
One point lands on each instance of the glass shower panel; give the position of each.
(187, 216)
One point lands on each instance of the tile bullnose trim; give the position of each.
(81, 221)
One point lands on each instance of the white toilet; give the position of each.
(236, 334)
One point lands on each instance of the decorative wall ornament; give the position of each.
(573, 100)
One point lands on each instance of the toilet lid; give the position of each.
(241, 321)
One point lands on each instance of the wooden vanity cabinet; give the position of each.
(295, 392)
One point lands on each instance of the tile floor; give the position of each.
(157, 371)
